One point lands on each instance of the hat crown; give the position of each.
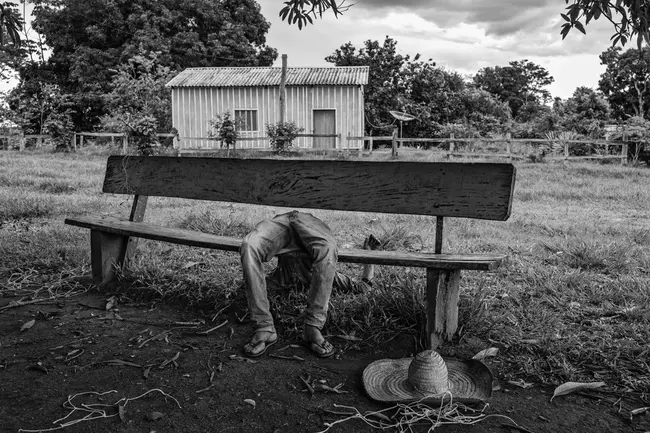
(428, 373)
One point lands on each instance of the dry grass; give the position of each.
(571, 304)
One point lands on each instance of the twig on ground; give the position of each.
(290, 358)
(213, 329)
(219, 312)
(16, 304)
(171, 360)
(307, 384)
(162, 335)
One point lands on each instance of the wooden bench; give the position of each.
(465, 190)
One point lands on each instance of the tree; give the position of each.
(11, 23)
(586, 112)
(12, 47)
(385, 81)
(626, 81)
(520, 85)
(89, 39)
(631, 18)
(304, 11)
(139, 104)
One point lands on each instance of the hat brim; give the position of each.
(470, 381)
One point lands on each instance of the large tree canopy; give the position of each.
(626, 81)
(89, 39)
(434, 95)
(521, 84)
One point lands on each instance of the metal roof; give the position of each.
(270, 76)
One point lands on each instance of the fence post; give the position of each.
(566, 150)
(508, 137)
(451, 146)
(370, 145)
(21, 143)
(39, 141)
(112, 141)
(125, 143)
(81, 140)
(73, 141)
(624, 149)
(395, 154)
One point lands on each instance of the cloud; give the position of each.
(461, 35)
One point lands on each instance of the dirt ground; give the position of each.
(76, 346)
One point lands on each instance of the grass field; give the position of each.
(573, 302)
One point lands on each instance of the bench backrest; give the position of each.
(469, 190)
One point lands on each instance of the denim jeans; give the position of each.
(287, 232)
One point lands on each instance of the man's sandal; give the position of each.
(255, 350)
(322, 350)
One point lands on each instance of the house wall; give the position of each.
(194, 107)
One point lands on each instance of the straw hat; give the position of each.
(429, 377)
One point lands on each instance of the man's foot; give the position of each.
(261, 341)
(315, 341)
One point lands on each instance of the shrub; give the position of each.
(224, 130)
(282, 135)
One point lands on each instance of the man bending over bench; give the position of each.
(294, 232)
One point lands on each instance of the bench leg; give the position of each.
(106, 251)
(443, 289)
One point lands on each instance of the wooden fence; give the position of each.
(510, 150)
(22, 140)
(358, 144)
(77, 139)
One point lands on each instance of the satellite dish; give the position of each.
(402, 117)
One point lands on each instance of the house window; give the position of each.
(246, 120)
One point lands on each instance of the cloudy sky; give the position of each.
(461, 35)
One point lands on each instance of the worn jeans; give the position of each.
(283, 233)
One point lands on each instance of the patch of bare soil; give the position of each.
(150, 367)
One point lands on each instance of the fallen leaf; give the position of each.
(191, 264)
(492, 351)
(569, 387)
(120, 362)
(145, 373)
(27, 325)
(37, 367)
(250, 401)
(121, 410)
(153, 416)
(111, 303)
(639, 411)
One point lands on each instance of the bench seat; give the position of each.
(115, 226)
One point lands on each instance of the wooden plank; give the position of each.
(101, 134)
(443, 291)
(106, 251)
(487, 155)
(583, 157)
(483, 262)
(138, 209)
(471, 190)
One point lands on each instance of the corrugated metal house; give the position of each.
(322, 100)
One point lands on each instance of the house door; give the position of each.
(324, 123)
